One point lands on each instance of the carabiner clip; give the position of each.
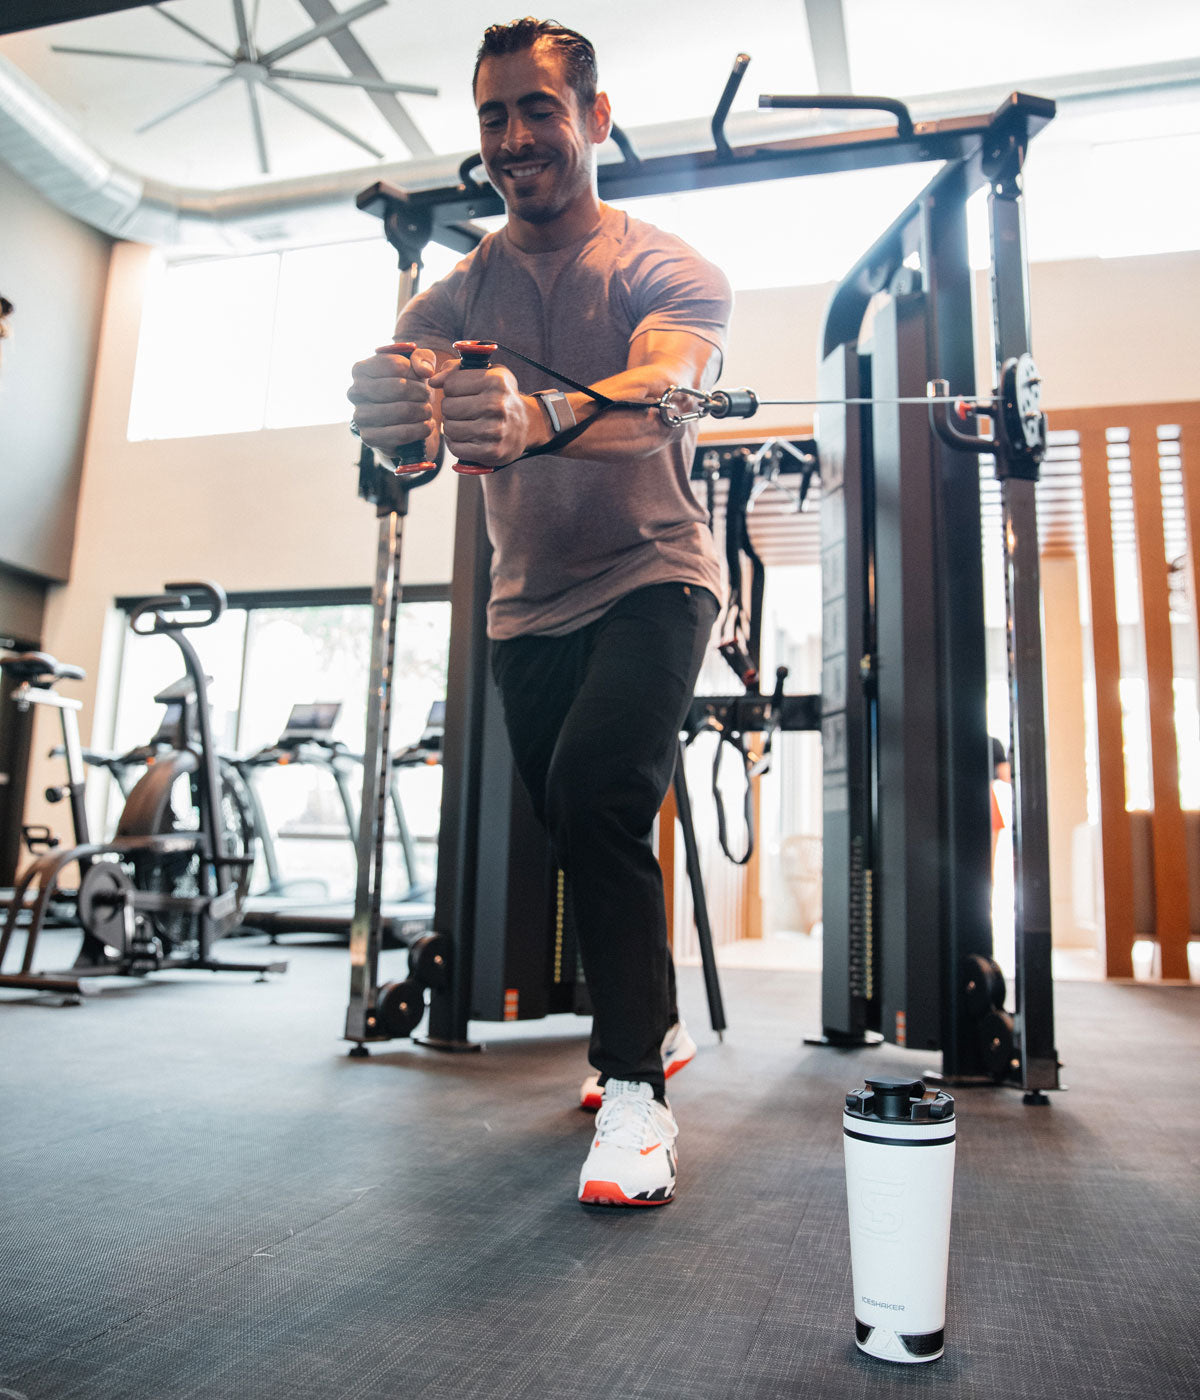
(672, 416)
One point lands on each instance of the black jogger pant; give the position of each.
(594, 720)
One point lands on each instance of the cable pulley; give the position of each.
(1019, 425)
(1019, 398)
(1015, 409)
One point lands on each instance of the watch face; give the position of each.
(550, 401)
(558, 410)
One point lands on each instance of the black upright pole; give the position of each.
(708, 960)
(457, 888)
(1034, 1029)
(962, 688)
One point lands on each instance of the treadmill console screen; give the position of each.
(312, 721)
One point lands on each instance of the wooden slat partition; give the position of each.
(1173, 916)
(667, 848)
(1116, 847)
(1170, 857)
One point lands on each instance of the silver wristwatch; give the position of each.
(557, 408)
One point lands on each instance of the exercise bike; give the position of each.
(157, 895)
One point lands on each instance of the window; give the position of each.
(232, 345)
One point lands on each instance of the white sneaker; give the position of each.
(678, 1049)
(632, 1161)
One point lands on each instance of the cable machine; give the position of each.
(906, 754)
(902, 711)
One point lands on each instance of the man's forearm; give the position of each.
(620, 433)
(486, 419)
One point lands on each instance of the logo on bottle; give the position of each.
(881, 1203)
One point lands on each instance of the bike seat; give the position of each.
(36, 667)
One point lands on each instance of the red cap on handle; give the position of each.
(475, 354)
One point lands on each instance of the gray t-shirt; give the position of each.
(570, 536)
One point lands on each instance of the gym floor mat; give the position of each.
(205, 1198)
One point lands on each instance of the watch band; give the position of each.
(557, 408)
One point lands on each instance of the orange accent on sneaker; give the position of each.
(608, 1193)
(646, 1151)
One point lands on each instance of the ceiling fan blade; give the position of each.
(143, 57)
(322, 118)
(186, 103)
(391, 108)
(245, 42)
(195, 33)
(322, 30)
(344, 80)
(260, 136)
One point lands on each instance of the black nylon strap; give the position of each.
(738, 744)
(560, 440)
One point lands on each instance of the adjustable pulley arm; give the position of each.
(1019, 425)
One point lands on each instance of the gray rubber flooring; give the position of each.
(204, 1198)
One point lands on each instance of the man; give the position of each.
(604, 574)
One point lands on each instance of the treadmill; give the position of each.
(291, 906)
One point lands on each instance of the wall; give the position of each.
(22, 607)
(1117, 330)
(53, 270)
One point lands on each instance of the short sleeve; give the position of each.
(672, 288)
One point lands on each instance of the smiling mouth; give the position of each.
(526, 171)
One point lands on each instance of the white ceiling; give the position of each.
(660, 63)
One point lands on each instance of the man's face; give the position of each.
(537, 145)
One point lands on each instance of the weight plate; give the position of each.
(427, 960)
(399, 1008)
(102, 894)
(1028, 393)
(996, 1041)
(984, 985)
(1021, 406)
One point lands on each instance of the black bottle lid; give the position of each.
(900, 1101)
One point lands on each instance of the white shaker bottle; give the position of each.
(899, 1142)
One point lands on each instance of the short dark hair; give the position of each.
(999, 754)
(576, 52)
(6, 307)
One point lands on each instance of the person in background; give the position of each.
(6, 310)
(1001, 811)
